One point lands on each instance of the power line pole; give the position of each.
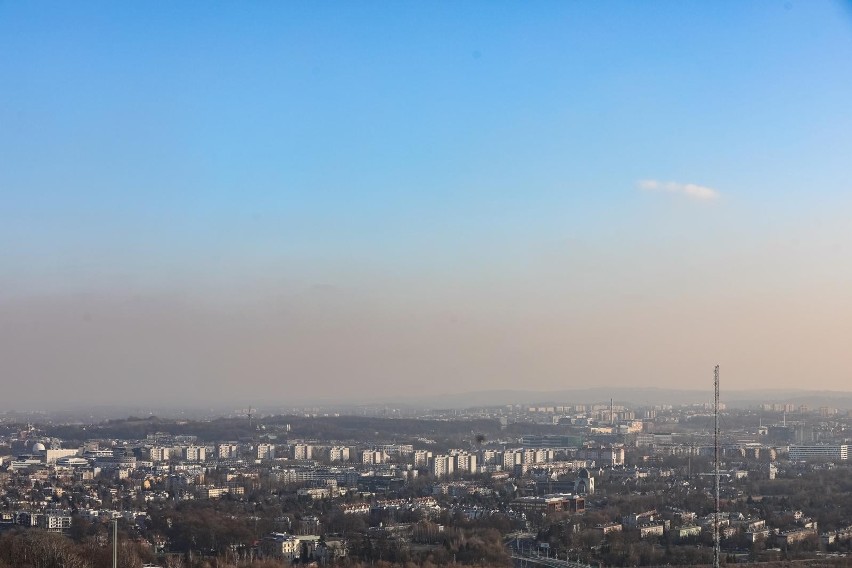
(716, 465)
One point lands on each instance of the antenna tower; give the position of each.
(716, 465)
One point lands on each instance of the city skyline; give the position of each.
(199, 202)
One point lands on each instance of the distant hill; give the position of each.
(634, 396)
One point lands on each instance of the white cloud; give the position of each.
(692, 190)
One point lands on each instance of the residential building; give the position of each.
(338, 454)
(195, 453)
(302, 452)
(227, 451)
(265, 452)
(421, 458)
(837, 452)
(441, 466)
(159, 453)
(556, 503)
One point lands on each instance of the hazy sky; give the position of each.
(276, 201)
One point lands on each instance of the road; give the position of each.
(521, 559)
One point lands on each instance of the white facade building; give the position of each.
(819, 452)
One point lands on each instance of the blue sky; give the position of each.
(530, 160)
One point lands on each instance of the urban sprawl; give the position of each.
(531, 485)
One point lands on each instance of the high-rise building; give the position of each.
(227, 451)
(265, 452)
(302, 452)
(195, 453)
(442, 466)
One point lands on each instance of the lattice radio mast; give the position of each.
(716, 465)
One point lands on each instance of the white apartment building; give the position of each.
(541, 455)
(610, 456)
(441, 466)
(421, 458)
(511, 458)
(394, 449)
(819, 452)
(373, 457)
(302, 452)
(159, 453)
(338, 454)
(227, 451)
(265, 452)
(492, 456)
(195, 453)
(465, 462)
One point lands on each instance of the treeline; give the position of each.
(34, 548)
(826, 495)
(227, 532)
(351, 428)
(361, 428)
(452, 546)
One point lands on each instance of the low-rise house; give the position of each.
(686, 531)
(636, 519)
(651, 529)
(839, 535)
(756, 535)
(794, 536)
(607, 528)
(282, 546)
